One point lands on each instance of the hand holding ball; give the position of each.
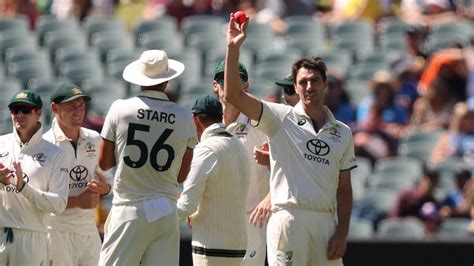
(240, 17)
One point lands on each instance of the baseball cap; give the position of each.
(208, 105)
(26, 97)
(68, 92)
(244, 76)
(287, 81)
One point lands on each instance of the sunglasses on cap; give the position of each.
(24, 109)
(289, 90)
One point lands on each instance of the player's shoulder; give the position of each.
(6, 138)
(91, 134)
(49, 135)
(48, 147)
(343, 128)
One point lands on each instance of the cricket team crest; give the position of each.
(241, 130)
(22, 95)
(40, 158)
(289, 258)
(90, 149)
(335, 134)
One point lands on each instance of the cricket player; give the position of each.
(311, 155)
(73, 237)
(33, 184)
(258, 199)
(215, 190)
(151, 140)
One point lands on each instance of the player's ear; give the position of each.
(54, 107)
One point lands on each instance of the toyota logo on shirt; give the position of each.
(78, 173)
(318, 147)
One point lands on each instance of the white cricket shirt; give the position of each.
(81, 170)
(46, 187)
(259, 175)
(215, 190)
(305, 164)
(151, 135)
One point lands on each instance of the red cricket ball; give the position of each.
(240, 17)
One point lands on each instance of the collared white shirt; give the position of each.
(259, 174)
(305, 164)
(215, 190)
(82, 165)
(46, 187)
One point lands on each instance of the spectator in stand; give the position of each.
(456, 203)
(432, 111)
(13, 8)
(63, 9)
(458, 140)
(383, 94)
(371, 140)
(337, 100)
(414, 39)
(449, 68)
(407, 71)
(410, 202)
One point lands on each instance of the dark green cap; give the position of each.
(287, 81)
(208, 105)
(68, 92)
(26, 97)
(244, 76)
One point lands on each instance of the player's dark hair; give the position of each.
(314, 63)
(158, 87)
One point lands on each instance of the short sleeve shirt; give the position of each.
(305, 163)
(151, 135)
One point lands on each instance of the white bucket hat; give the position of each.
(152, 68)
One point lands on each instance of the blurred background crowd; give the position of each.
(401, 74)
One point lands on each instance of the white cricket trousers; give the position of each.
(73, 249)
(256, 244)
(138, 242)
(27, 248)
(300, 237)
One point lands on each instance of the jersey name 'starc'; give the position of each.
(154, 115)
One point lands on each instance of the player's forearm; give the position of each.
(232, 88)
(47, 201)
(72, 202)
(344, 209)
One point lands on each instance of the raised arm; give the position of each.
(245, 102)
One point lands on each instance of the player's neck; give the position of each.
(71, 133)
(316, 113)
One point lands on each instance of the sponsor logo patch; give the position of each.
(318, 147)
(78, 173)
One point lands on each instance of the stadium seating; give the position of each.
(164, 26)
(454, 228)
(360, 228)
(401, 228)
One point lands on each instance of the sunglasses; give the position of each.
(289, 90)
(24, 109)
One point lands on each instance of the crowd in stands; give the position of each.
(417, 104)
